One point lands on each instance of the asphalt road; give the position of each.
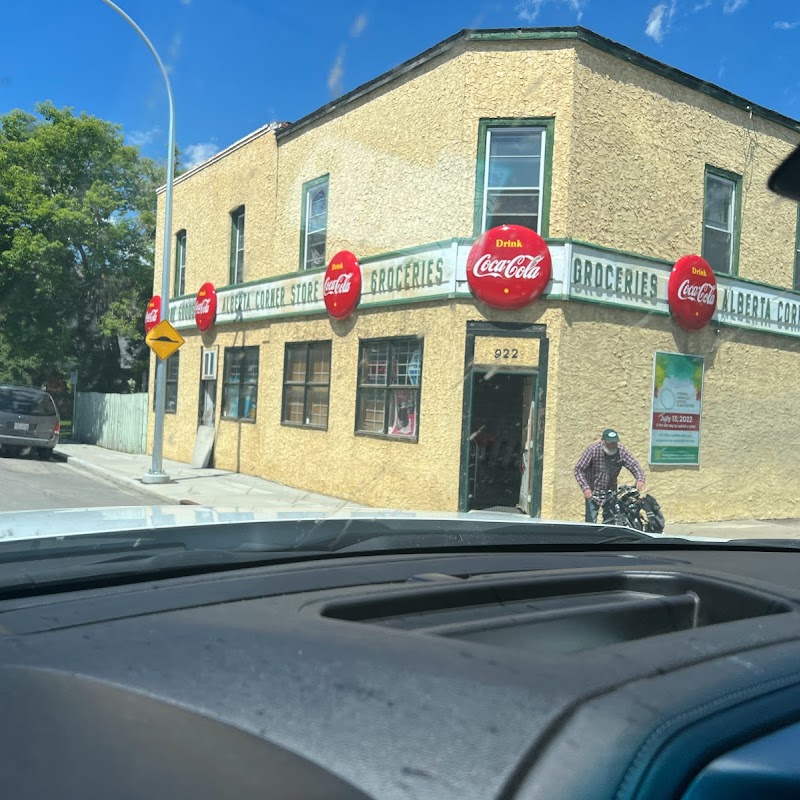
(26, 483)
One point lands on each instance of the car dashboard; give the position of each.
(646, 674)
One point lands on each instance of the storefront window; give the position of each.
(237, 246)
(314, 224)
(306, 384)
(512, 175)
(240, 384)
(720, 220)
(180, 263)
(389, 377)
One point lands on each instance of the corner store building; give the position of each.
(396, 172)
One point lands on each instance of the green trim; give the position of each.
(737, 213)
(307, 187)
(234, 217)
(181, 234)
(567, 34)
(484, 125)
(796, 271)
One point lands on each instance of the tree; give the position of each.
(77, 227)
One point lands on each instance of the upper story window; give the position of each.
(237, 246)
(796, 282)
(722, 220)
(514, 158)
(180, 263)
(314, 224)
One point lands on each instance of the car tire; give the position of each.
(45, 453)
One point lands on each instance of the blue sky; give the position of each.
(238, 64)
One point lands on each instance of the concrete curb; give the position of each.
(118, 480)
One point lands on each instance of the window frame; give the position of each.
(308, 188)
(179, 286)
(485, 125)
(237, 246)
(392, 341)
(306, 384)
(169, 381)
(229, 351)
(796, 276)
(736, 223)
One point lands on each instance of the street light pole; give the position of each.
(156, 473)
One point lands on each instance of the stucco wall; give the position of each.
(640, 144)
(748, 436)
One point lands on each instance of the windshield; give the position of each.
(514, 260)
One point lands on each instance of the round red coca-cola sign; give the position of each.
(205, 306)
(153, 314)
(509, 267)
(341, 288)
(692, 292)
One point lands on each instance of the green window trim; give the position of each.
(309, 186)
(179, 286)
(484, 125)
(235, 216)
(796, 279)
(737, 211)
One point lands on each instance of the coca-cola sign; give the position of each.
(205, 306)
(509, 267)
(153, 314)
(692, 292)
(341, 287)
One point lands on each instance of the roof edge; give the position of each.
(576, 33)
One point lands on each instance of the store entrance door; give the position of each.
(501, 409)
(502, 440)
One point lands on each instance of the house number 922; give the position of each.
(506, 353)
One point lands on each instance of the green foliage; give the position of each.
(77, 226)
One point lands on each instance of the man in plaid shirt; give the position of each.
(598, 468)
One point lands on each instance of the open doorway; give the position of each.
(500, 433)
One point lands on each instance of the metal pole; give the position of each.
(156, 473)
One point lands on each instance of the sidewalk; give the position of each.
(208, 487)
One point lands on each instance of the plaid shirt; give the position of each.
(598, 472)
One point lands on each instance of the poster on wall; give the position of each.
(677, 407)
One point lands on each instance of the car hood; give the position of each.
(56, 523)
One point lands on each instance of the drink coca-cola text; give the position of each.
(202, 306)
(339, 285)
(151, 315)
(521, 266)
(704, 293)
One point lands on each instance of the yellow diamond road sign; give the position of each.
(164, 340)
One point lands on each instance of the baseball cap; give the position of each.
(610, 435)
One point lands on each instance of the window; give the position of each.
(721, 216)
(314, 224)
(237, 246)
(180, 263)
(306, 384)
(240, 383)
(796, 283)
(172, 366)
(388, 387)
(514, 164)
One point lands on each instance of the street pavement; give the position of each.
(27, 484)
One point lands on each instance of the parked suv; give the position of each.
(28, 419)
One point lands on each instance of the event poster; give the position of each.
(677, 408)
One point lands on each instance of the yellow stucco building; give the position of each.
(425, 397)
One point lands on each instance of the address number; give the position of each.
(506, 353)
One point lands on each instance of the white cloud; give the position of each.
(731, 6)
(359, 24)
(196, 154)
(528, 10)
(660, 21)
(701, 6)
(335, 76)
(142, 138)
(786, 26)
(174, 49)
